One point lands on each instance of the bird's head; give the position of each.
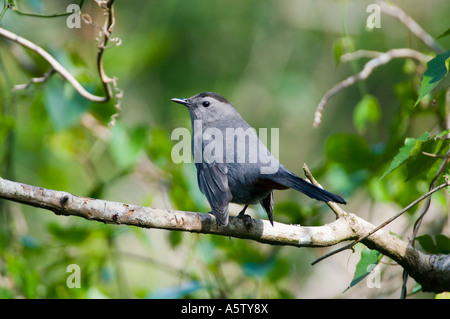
(208, 107)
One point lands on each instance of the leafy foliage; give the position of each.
(369, 259)
(274, 62)
(434, 74)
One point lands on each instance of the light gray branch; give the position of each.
(379, 59)
(63, 203)
(54, 63)
(411, 24)
(432, 271)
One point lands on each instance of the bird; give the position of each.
(224, 175)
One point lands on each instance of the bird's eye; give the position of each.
(206, 104)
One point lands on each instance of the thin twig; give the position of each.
(34, 81)
(382, 59)
(101, 48)
(412, 25)
(5, 8)
(396, 53)
(367, 70)
(334, 207)
(441, 169)
(55, 65)
(433, 155)
(351, 245)
(425, 208)
(104, 38)
(15, 9)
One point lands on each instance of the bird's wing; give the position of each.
(213, 182)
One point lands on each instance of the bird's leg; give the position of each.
(242, 212)
(247, 218)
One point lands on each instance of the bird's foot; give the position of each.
(247, 219)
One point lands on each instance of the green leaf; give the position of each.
(175, 238)
(30, 242)
(342, 46)
(419, 162)
(280, 271)
(409, 149)
(426, 242)
(443, 295)
(436, 71)
(349, 150)
(6, 126)
(417, 288)
(369, 259)
(446, 33)
(291, 211)
(6, 293)
(367, 111)
(412, 153)
(71, 234)
(63, 105)
(443, 243)
(124, 146)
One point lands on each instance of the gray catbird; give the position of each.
(236, 166)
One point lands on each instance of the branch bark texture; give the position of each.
(431, 271)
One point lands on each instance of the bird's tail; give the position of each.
(290, 180)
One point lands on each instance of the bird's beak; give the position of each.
(185, 102)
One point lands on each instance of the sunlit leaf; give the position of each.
(405, 152)
(341, 46)
(443, 295)
(369, 259)
(126, 145)
(367, 111)
(413, 151)
(420, 162)
(435, 72)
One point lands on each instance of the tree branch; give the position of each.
(362, 238)
(57, 67)
(425, 208)
(432, 271)
(63, 203)
(54, 64)
(411, 24)
(380, 59)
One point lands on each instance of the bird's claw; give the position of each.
(247, 219)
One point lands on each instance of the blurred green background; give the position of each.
(273, 60)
